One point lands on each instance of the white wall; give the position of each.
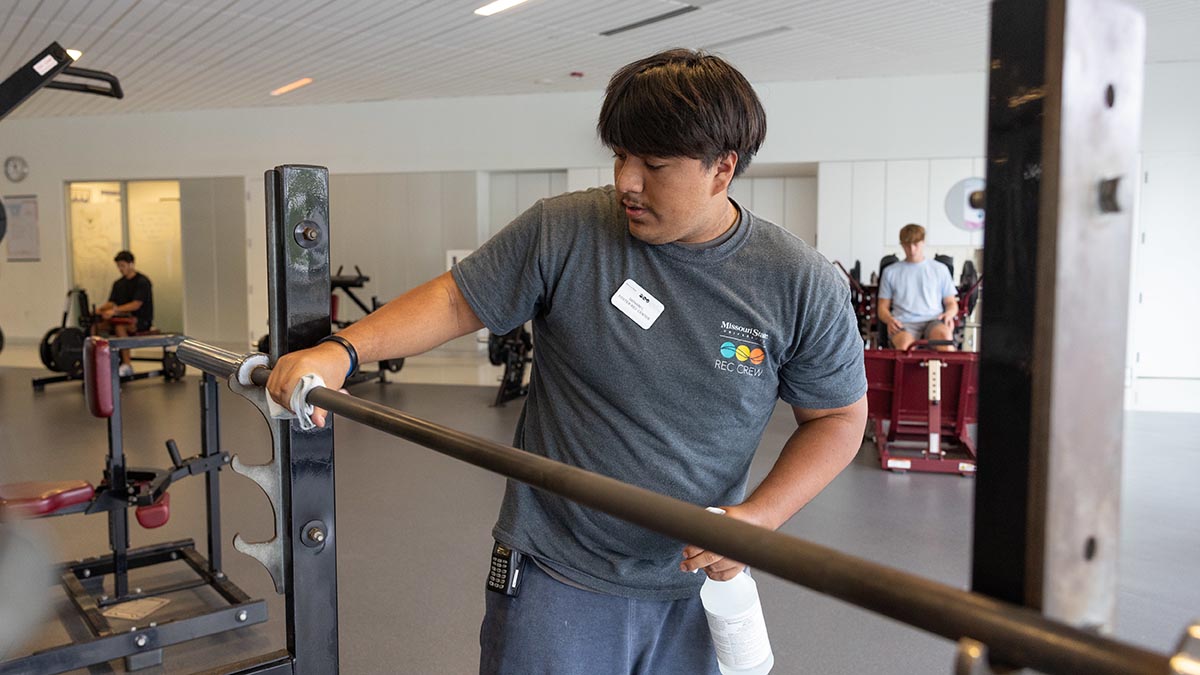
(787, 201)
(1165, 287)
(864, 204)
(397, 227)
(213, 216)
(872, 120)
(1164, 366)
(511, 192)
(1171, 101)
(366, 138)
(923, 116)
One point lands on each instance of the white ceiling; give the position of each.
(199, 54)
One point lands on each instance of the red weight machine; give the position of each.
(921, 405)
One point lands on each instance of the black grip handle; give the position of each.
(173, 449)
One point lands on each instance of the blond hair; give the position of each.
(911, 234)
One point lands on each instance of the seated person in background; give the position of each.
(917, 297)
(131, 296)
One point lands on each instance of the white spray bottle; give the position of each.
(735, 620)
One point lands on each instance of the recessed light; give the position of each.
(292, 86)
(497, 6)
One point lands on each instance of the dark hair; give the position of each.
(124, 256)
(911, 234)
(682, 103)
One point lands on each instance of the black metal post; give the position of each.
(118, 519)
(299, 288)
(1006, 352)
(210, 444)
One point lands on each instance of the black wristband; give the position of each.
(349, 350)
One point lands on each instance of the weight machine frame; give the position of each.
(126, 487)
(171, 370)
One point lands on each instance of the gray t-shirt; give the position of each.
(916, 289)
(677, 407)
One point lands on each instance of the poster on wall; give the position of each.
(22, 235)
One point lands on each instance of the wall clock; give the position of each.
(16, 168)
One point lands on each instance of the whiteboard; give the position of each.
(95, 236)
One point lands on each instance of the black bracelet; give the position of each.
(349, 350)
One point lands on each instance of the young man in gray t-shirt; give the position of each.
(668, 322)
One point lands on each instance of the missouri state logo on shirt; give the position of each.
(740, 350)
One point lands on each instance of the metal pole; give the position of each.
(118, 484)
(208, 358)
(1014, 635)
(210, 443)
(1065, 96)
(299, 288)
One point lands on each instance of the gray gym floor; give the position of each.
(414, 526)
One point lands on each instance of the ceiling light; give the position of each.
(746, 38)
(74, 54)
(292, 86)
(654, 19)
(497, 6)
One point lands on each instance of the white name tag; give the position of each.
(637, 304)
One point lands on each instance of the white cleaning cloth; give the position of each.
(298, 402)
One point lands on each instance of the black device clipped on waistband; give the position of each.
(349, 350)
(504, 575)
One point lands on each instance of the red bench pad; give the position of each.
(97, 376)
(43, 498)
(156, 514)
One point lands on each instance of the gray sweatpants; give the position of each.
(551, 628)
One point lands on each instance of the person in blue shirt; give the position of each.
(917, 297)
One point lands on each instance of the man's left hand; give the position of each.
(947, 318)
(715, 565)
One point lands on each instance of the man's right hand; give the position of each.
(329, 360)
(894, 326)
